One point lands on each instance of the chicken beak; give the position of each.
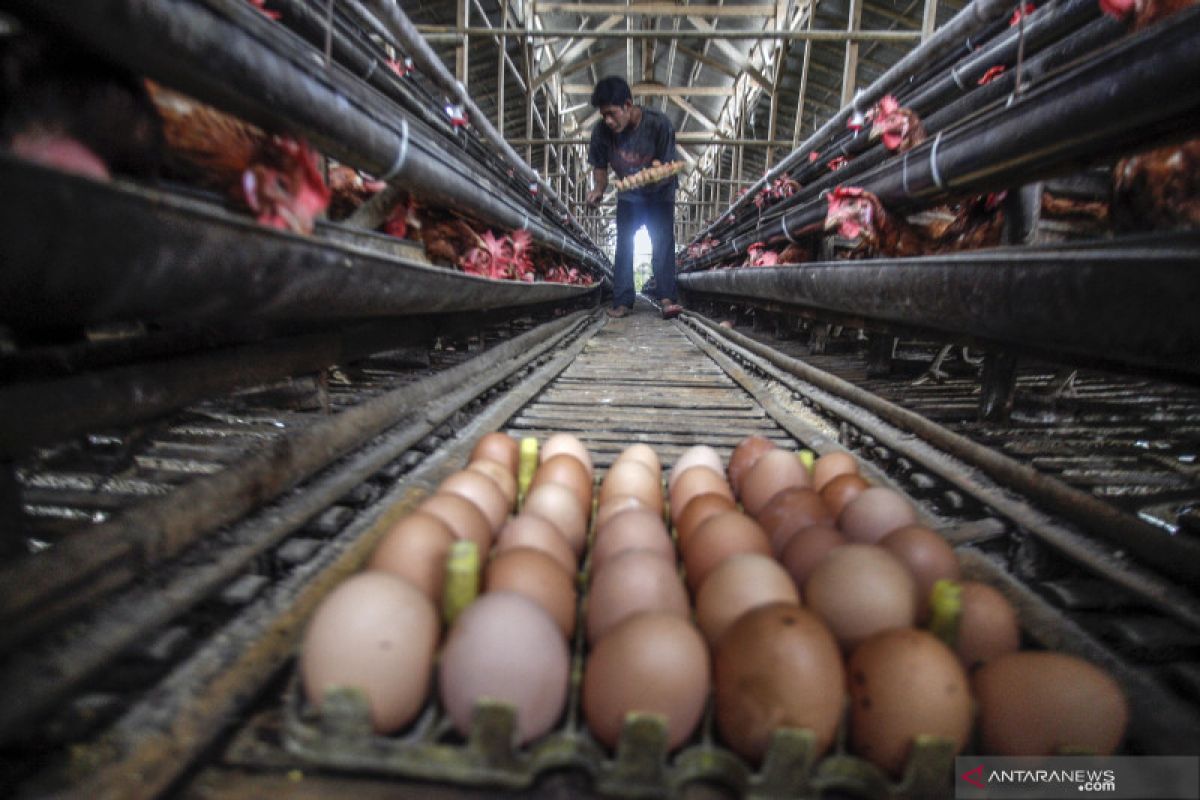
(875, 134)
(832, 221)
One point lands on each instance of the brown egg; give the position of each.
(903, 684)
(499, 447)
(789, 512)
(415, 548)
(500, 475)
(874, 514)
(694, 482)
(987, 625)
(737, 585)
(558, 505)
(539, 577)
(839, 491)
(860, 590)
(630, 583)
(635, 529)
(566, 443)
(377, 633)
(643, 454)
(1040, 704)
(505, 647)
(698, 509)
(744, 456)
(770, 475)
(699, 456)
(928, 557)
(632, 479)
(654, 663)
(617, 505)
(480, 490)
(831, 465)
(464, 519)
(777, 667)
(566, 470)
(807, 549)
(719, 537)
(530, 530)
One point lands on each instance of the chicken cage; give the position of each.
(275, 271)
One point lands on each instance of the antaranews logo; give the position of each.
(1117, 777)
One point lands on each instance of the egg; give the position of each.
(561, 443)
(928, 557)
(463, 518)
(789, 512)
(777, 666)
(635, 529)
(875, 513)
(744, 456)
(643, 454)
(987, 625)
(694, 482)
(830, 466)
(839, 491)
(632, 582)
(377, 633)
(698, 509)
(719, 537)
(415, 549)
(616, 505)
(860, 590)
(482, 491)
(505, 647)
(566, 470)
(498, 447)
(770, 475)
(500, 475)
(1041, 704)
(632, 479)
(653, 663)
(699, 456)
(807, 549)
(530, 530)
(903, 684)
(738, 585)
(539, 577)
(558, 505)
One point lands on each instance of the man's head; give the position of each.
(614, 101)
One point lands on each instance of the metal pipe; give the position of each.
(865, 155)
(246, 68)
(431, 65)
(968, 21)
(1141, 89)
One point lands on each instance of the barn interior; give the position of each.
(274, 269)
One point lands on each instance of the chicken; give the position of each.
(274, 176)
(1143, 13)
(1158, 189)
(859, 216)
(490, 258)
(404, 220)
(759, 256)
(349, 189)
(448, 239)
(899, 128)
(795, 254)
(68, 110)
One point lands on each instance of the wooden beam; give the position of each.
(573, 51)
(462, 51)
(849, 72)
(700, 116)
(447, 33)
(928, 19)
(658, 90)
(732, 53)
(660, 9)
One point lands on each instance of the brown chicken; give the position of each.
(348, 190)
(859, 216)
(274, 176)
(448, 239)
(68, 110)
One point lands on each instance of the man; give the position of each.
(631, 138)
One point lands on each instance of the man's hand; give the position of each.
(595, 195)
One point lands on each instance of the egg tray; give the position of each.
(339, 736)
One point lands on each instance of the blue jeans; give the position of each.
(659, 219)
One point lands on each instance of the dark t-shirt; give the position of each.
(631, 151)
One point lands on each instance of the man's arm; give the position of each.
(599, 184)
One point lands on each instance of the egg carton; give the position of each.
(339, 736)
